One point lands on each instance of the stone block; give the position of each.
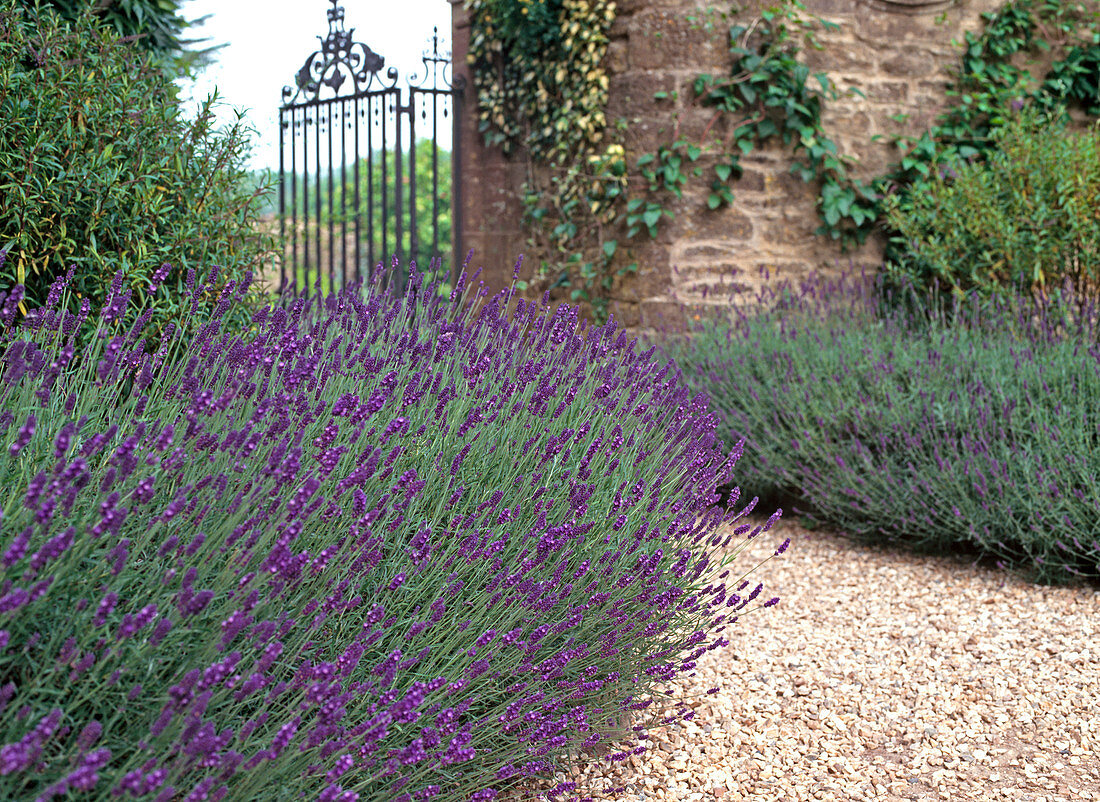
(766, 271)
(910, 64)
(651, 277)
(706, 127)
(616, 60)
(631, 7)
(699, 222)
(665, 39)
(726, 271)
(711, 291)
(750, 181)
(840, 57)
(627, 315)
(685, 88)
(790, 185)
(798, 232)
(823, 7)
(885, 30)
(881, 91)
(633, 92)
(692, 253)
(643, 136)
(460, 17)
(839, 121)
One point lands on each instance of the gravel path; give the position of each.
(887, 676)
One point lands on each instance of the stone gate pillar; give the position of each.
(492, 209)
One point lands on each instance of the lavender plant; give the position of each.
(969, 428)
(373, 548)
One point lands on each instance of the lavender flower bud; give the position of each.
(26, 432)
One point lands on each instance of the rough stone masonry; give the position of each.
(894, 51)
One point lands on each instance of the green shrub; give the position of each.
(156, 26)
(976, 432)
(1025, 218)
(98, 168)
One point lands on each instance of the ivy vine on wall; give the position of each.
(541, 86)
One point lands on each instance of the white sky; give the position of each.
(267, 41)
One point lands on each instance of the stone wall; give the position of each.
(895, 52)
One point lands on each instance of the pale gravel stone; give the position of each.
(883, 675)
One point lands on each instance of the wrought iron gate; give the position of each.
(340, 229)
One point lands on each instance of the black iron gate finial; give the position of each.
(437, 69)
(339, 58)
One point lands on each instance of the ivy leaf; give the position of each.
(713, 201)
(723, 171)
(609, 248)
(651, 216)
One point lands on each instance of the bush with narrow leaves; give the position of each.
(375, 548)
(1023, 217)
(100, 168)
(974, 431)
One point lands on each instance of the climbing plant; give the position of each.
(771, 93)
(541, 87)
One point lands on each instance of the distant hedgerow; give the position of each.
(373, 548)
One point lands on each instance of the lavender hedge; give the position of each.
(962, 425)
(373, 548)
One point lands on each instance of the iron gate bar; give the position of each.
(344, 182)
(317, 184)
(331, 207)
(282, 204)
(385, 217)
(370, 181)
(374, 101)
(358, 213)
(435, 176)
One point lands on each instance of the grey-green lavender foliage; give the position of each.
(972, 431)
